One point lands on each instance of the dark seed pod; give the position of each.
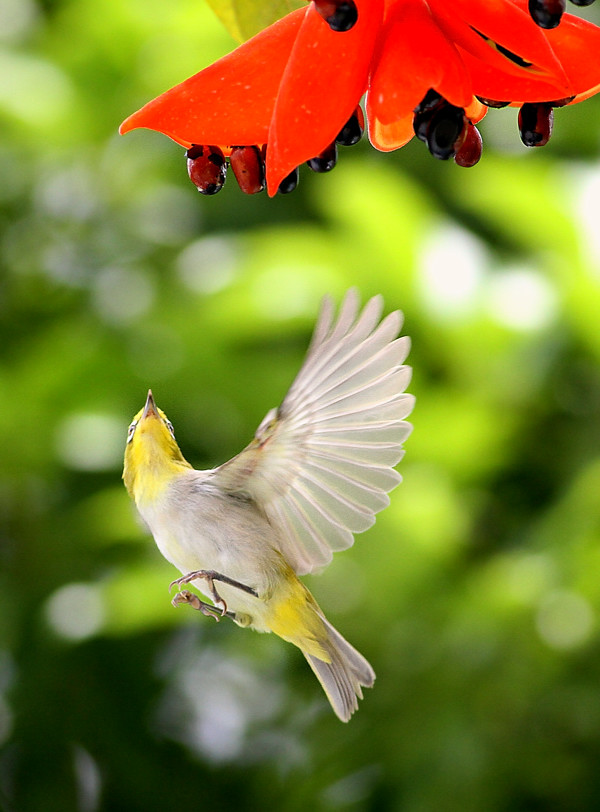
(496, 105)
(324, 161)
(207, 168)
(535, 124)
(547, 13)
(424, 112)
(430, 102)
(469, 151)
(561, 102)
(353, 130)
(444, 130)
(340, 15)
(289, 183)
(249, 169)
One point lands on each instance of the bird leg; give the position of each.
(210, 576)
(188, 598)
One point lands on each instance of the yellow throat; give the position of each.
(152, 456)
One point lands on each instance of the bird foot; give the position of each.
(187, 598)
(210, 576)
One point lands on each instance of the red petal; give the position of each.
(232, 100)
(387, 137)
(475, 110)
(324, 79)
(415, 56)
(576, 44)
(501, 23)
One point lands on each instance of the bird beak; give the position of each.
(150, 409)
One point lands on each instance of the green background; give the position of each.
(477, 594)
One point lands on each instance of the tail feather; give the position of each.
(343, 677)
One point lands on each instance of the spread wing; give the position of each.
(321, 466)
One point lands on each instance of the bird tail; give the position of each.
(344, 675)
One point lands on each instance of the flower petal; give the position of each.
(414, 57)
(576, 44)
(387, 137)
(231, 101)
(502, 36)
(475, 110)
(325, 77)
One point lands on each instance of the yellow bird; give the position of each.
(317, 471)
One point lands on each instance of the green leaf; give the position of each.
(244, 18)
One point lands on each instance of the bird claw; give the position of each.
(185, 597)
(210, 576)
(219, 609)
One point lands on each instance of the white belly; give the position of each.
(197, 528)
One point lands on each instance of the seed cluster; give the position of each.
(446, 130)
(547, 13)
(207, 164)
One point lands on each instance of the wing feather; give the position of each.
(321, 466)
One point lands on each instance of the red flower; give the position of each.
(294, 86)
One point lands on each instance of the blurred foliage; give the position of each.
(477, 594)
(244, 18)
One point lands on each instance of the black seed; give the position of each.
(497, 105)
(424, 112)
(430, 101)
(352, 131)
(289, 183)
(421, 125)
(535, 124)
(443, 131)
(340, 15)
(561, 102)
(582, 2)
(324, 161)
(547, 13)
(207, 168)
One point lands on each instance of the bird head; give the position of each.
(152, 455)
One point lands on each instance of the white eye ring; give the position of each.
(131, 431)
(169, 425)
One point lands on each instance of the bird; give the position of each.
(320, 466)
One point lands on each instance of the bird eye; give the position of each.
(131, 431)
(169, 425)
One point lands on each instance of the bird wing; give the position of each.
(321, 465)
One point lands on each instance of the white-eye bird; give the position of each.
(317, 471)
